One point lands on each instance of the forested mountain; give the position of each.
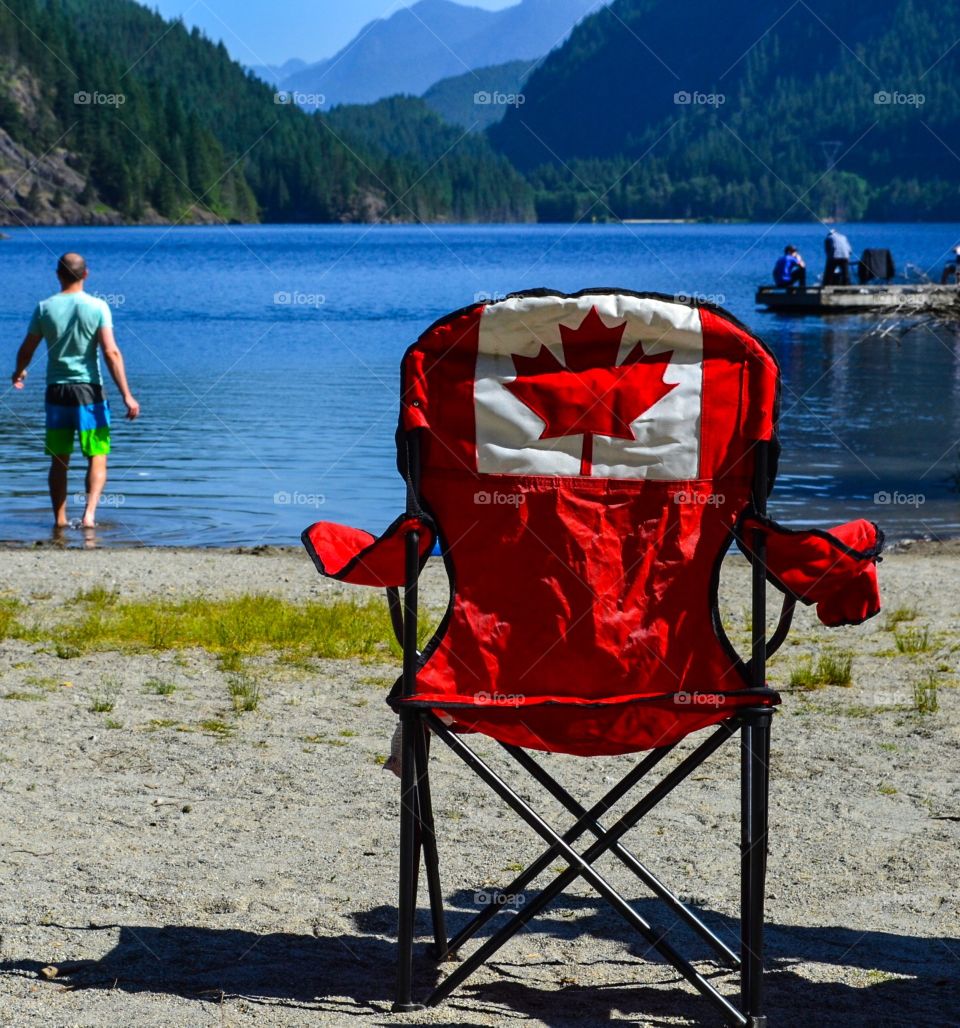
(109, 113)
(742, 110)
(431, 40)
(480, 98)
(463, 174)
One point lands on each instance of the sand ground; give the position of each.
(180, 875)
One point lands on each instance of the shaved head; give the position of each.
(71, 268)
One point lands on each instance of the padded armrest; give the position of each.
(352, 555)
(835, 569)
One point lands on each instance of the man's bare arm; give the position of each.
(24, 355)
(114, 359)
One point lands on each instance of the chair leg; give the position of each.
(755, 777)
(409, 863)
(431, 857)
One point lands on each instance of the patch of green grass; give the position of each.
(860, 710)
(832, 667)
(912, 640)
(161, 722)
(802, 676)
(323, 740)
(348, 733)
(296, 661)
(27, 697)
(378, 680)
(875, 977)
(214, 726)
(99, 597)
(230, 661)
(245, 692)
(925, 699)
(835, 667)
(67, 651)
(887, 790)
(233, 628)
(897, 616)
(158, 687)
(42, 681)
(890, 747)
(111, 723)
(105, 700)
(10, 627)
(746, 617)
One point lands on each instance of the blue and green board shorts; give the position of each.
(74, 407)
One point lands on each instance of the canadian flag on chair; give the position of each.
(611, 389)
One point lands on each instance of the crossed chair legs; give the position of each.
(417, 835)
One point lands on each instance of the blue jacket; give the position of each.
(784, 268)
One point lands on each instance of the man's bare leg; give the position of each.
(57, 480)
(96, 480)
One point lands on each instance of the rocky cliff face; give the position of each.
(42, 189)
(44, 186)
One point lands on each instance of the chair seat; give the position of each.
(600, 727)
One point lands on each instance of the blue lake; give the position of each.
(266, 361)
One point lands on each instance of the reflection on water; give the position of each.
(266, 359)
(870, 424)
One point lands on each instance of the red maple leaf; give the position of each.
(591, 394)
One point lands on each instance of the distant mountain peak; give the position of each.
(424, 42)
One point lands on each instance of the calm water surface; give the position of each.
(266, 360)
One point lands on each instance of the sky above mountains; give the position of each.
(272, 31)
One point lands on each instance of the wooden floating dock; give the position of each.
(859, 299)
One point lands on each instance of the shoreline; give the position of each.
(706, 220)
(905, 544)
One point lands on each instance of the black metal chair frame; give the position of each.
(418, 835)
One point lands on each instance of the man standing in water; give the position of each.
(75, 324)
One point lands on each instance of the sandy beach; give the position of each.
(170, 858)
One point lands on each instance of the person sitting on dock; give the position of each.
(839, 251)
(790, 271)
(951, 270)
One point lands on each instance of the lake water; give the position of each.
(266, 360)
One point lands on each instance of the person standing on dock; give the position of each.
(839, 251)
(951, 270)
(76, 326)
(790, 271)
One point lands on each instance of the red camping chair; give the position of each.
(586, 462)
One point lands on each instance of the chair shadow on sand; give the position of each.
(904, 980)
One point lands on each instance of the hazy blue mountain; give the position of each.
(418, 46)
(274, 74)
(158, 124)
(478, 99)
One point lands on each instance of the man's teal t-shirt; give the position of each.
(70, 322)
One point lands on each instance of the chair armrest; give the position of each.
(352, 555)
(835, 569)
